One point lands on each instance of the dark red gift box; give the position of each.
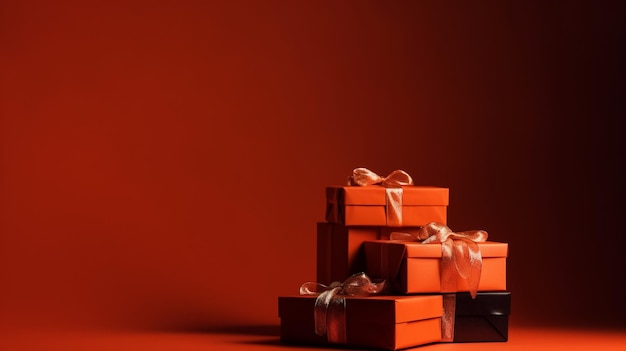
(378, 322)
(340, 252)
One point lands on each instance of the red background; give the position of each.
(163, 164)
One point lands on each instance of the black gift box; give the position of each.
(485, 318)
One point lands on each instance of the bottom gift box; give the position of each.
(379, 322)
(398, 322)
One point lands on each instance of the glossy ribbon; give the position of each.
(393, 190)
(460, 254)
(447, 320)
(330, 306)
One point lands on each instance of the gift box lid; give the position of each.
(417, 249)
(492, 303)
(413, 195)
(378, 309)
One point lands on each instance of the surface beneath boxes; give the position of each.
(266, 338)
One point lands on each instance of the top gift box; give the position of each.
(381, 203)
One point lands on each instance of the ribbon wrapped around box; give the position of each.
(393, 201)
(444, 261)
(347, 314)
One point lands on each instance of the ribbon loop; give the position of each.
(312, 288)
(460, 254)
(329, 310)
(363, 177)
(393, 192)
(397, 179)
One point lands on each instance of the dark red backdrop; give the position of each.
(163, 164)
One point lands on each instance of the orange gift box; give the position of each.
(367, 205)
(339, 248)
(380, 322)
(413, 267)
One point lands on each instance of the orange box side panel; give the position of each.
(411, 215)
(339, 250)
(422, 275)
(418, 333)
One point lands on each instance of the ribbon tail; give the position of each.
(448, 272)
(468, 263)
(460, 255)
(320, 310)
(476, 264)
(336, 321)
(447, 321)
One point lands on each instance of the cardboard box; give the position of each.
(340, 252)
(379, 322)
(367, 205)
(483, 319)
(413, 267)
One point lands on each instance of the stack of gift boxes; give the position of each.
(418, 282)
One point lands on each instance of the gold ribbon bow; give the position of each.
(330, 306)
(393, 192)
(460, 255)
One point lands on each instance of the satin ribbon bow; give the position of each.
(460, 255)
(393, 192)
(395, 179)
(330, 306)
